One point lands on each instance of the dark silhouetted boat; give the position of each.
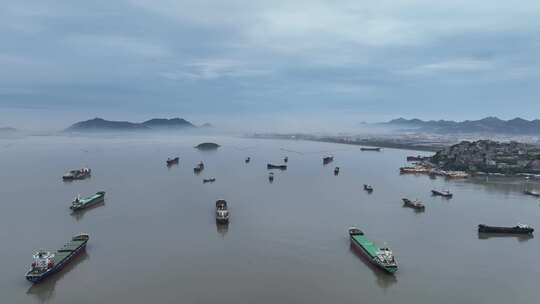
(172, 161)
(380, 257)
(248, 159)
(327, 159)
(368, 188)
(271, 176)
(336, 170)
(444, 193)
(199, 167)
(370, 149)
(280, 167)
(518, 229)
(413, 204)
(286, 159)
(209, 180)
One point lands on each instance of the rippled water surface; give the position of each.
(155, 240)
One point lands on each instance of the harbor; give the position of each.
(293, 230)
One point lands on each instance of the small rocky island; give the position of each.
(207, 146)
(486, 156)
(100, 124)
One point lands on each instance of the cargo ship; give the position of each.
(172, 161)
(46, 263)
(444, 193)
(77, 174)
(222, 212)
(380, 257)
(280, 167)
(85, 202)
(417, 205)
(518, 229)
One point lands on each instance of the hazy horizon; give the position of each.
(277, 66)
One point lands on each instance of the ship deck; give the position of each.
(368, 245)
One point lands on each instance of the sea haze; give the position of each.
(155, 239)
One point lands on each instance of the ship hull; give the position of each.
(504, 230)
(58, 267)
(361, 250)
(97, 200)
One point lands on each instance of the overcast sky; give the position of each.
(288, 61)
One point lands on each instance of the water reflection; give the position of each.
(79, 214)
(222, 228)
(44, 291)
(519, 237)
(383, 279)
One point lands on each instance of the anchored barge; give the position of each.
(381, 257)
(518, 229)
(417, 205)
(370, 149)
(85, 202)
(77, 174)
(46, 262)
(280, 167)
(444, 193)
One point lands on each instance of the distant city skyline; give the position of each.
(283, 64)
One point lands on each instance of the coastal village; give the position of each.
(480, 158)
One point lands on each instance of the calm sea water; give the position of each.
(155, 239)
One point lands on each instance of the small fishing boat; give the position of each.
(280, 167)
(209, 180)
(172, 161)
(85, 202)
(415, 170)
(199, 167)
(380, 257)
(248, 159)
(518, 229)
(444, 193)
(222, 212)
(327, 159)
(46, 263)
(413, 204)
(336, 170)
(368, 188)
(370, 149)
(532, 193)
(286, 159)
(271, 176)
(77, 174)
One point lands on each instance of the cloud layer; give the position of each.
(432, 59)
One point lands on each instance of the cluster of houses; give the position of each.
(489, 157)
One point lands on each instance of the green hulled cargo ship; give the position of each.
(85, 202)
(46, 262)
(381, 257)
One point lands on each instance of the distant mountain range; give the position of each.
(100, 124)
(516, 126)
